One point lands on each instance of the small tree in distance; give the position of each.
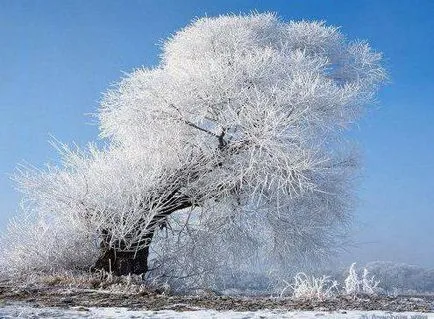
(242, 117)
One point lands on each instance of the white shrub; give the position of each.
(321, 288)
(355, 285)
(369, 285)
(311, 287)
(352, 281)
(44, 244)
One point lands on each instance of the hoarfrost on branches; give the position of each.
(237, 131)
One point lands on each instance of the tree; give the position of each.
(243, 116)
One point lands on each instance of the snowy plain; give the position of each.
(24, 311)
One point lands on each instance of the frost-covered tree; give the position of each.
(238, 127)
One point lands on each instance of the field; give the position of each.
(61, 302)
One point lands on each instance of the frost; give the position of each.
(355, 285)
(312, 288)
(227, 156)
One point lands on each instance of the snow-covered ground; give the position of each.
(23, 311)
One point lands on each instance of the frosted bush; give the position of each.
(311, 287)
(369, 284)
(354, 284)
(41, 243)
(321, 288)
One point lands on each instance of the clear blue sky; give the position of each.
(57, 57)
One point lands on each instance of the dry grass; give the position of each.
(101, 280)
(311, 287)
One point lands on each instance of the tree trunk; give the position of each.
(136, 262)
(124, 263)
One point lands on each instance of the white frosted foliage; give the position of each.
(240, 123)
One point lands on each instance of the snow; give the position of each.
(24, 311)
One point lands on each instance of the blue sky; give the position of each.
(57, 57)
